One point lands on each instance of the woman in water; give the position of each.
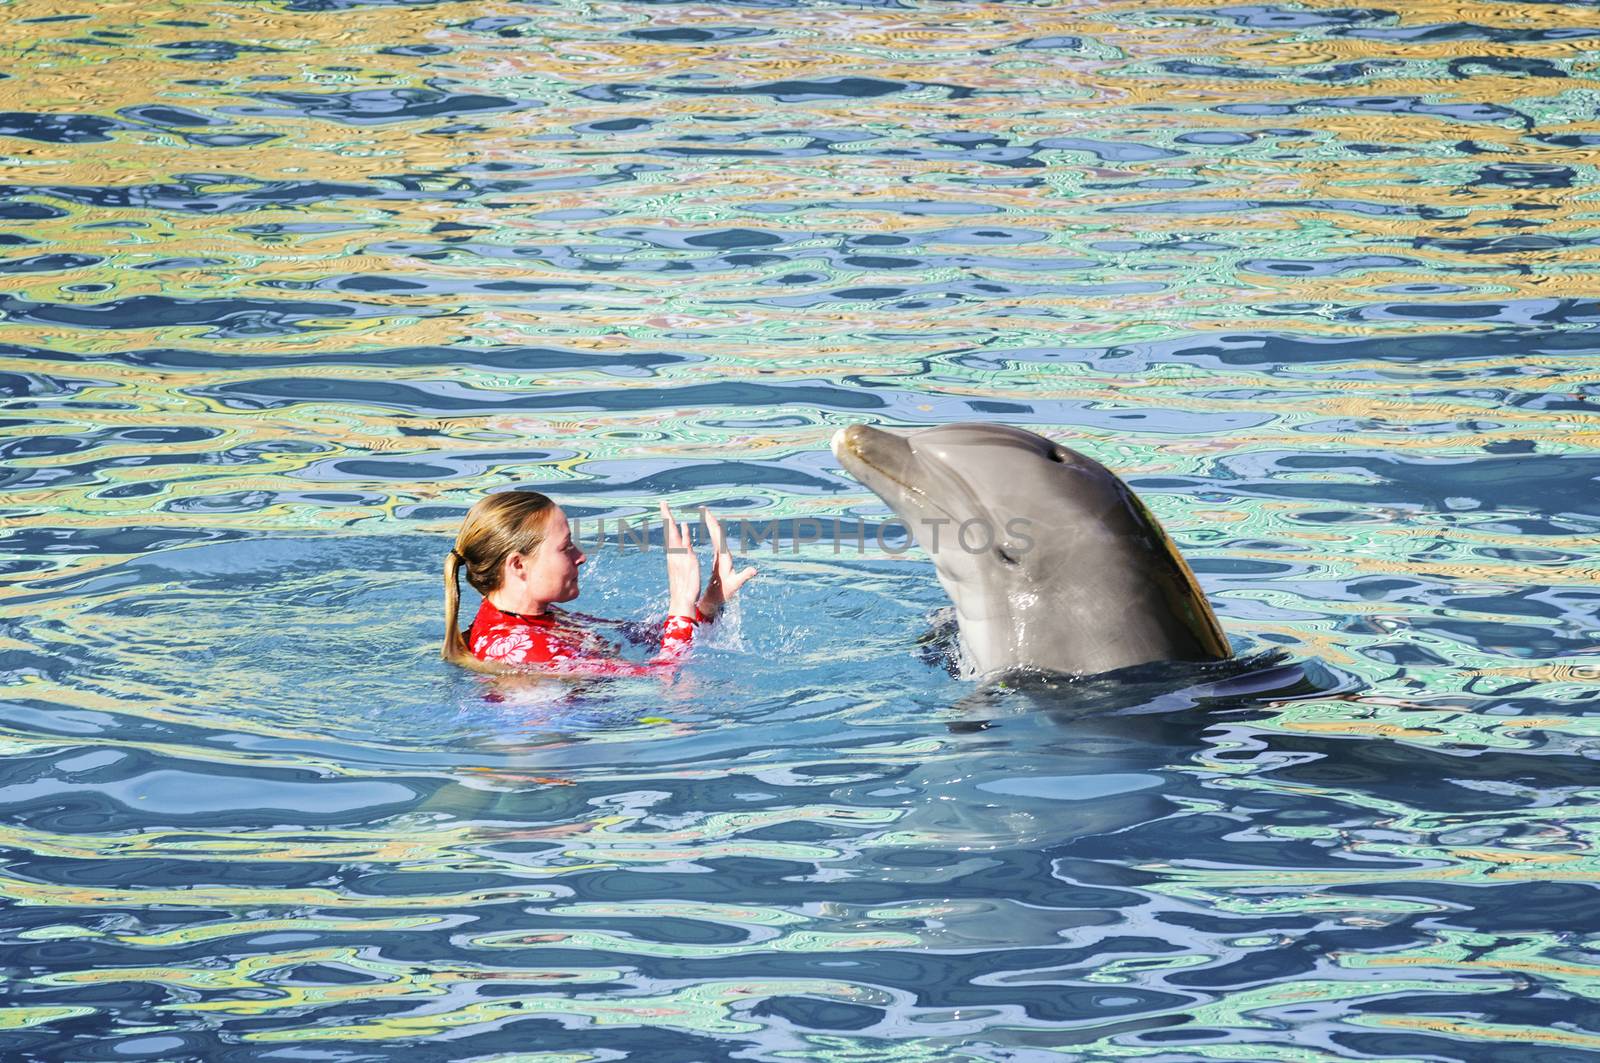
(519, 554)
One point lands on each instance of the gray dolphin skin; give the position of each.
(1052, 562)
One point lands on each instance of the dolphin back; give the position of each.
(1110, 588)
(1195, 634)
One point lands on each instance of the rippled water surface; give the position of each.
(286, 286)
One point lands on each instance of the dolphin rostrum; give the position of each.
(1052, 562)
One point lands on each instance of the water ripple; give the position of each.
(287, 285)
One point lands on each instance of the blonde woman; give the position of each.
(518, 551)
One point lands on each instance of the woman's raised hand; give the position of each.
(683, 567)
(725, 580)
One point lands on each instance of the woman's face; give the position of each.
(550, 573)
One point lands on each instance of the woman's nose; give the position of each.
(582, 557)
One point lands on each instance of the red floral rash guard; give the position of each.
(557, 644)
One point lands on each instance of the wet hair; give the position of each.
(497, 526)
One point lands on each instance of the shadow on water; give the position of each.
(1165, 713)
(1234, 684)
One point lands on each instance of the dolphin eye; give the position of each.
(1005, 556)
(1057, 456)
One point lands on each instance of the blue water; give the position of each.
(286, 286)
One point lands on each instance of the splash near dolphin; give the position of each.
(1052, 562)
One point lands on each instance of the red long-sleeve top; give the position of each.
(557, 644)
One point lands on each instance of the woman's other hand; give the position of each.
(725, 580)
(683, 567)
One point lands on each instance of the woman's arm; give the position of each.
(683, 567)
(725, 580)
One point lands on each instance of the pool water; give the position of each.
(287, 285)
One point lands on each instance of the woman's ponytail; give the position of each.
(455, 646)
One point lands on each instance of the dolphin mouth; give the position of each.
(886, 463)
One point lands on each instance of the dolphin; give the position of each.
(1052, 562)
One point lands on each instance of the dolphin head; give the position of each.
(1051, 561)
